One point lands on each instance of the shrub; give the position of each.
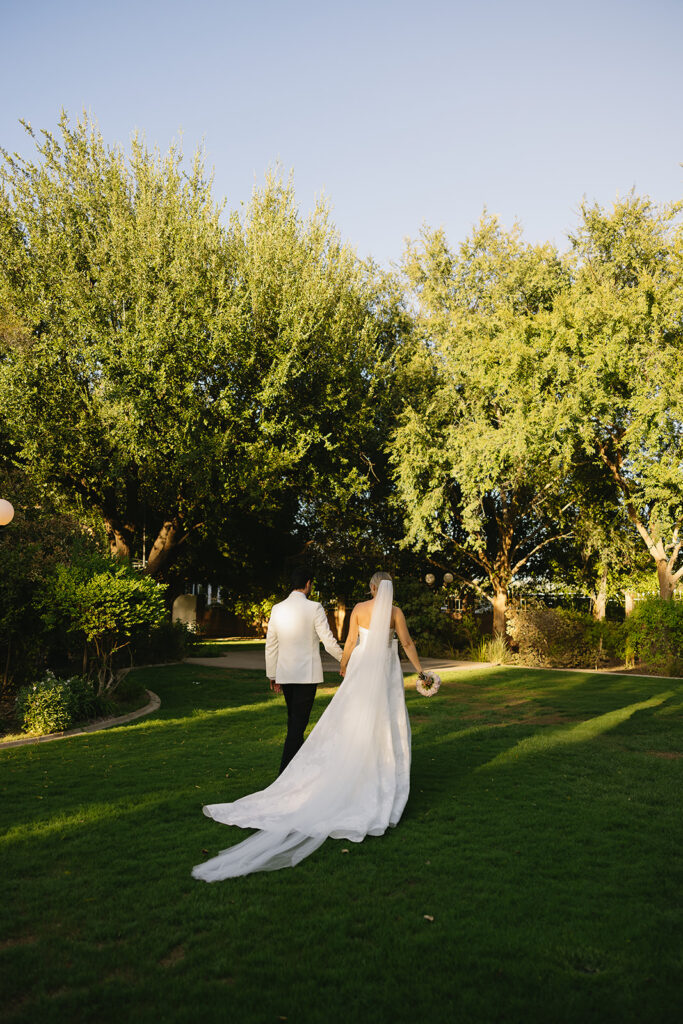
(53, 705)
(563, 638)
(38, 539)
(169, 641)
(434, 631)
(255, 611)
(104, 604)
(654, 635)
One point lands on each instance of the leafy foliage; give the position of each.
(254, 610)
(618, 329)
(106, 607)
(433, 629)
(54, 705)
(563, 638)
(477, 464)
(39, 538)
(167, 641)
(654, 635)
(187, 380)
(225, 395)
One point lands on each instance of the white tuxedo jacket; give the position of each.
(295, 630)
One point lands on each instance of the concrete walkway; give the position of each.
(255, 661)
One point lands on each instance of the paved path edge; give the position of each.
(103, 723)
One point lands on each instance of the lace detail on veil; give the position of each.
(348, 780)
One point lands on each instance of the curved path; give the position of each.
(254, 660)
(153, 704)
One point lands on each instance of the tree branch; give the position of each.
(474, 585)
(548, 540)
(479, 558)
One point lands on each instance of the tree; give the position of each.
(185, 379)
(105, 605)
(619, 330)
(601, 556)
(478, 466)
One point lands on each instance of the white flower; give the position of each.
(429, 685)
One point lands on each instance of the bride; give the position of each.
(351, 778)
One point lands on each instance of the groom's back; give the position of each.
(292, 643)
(293, 618)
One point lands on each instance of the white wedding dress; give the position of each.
(351, 778)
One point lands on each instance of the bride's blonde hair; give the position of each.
(378, 577)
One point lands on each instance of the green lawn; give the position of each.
(216, 648)
(542, 835)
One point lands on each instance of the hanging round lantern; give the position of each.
(448, 578)
(430, 579)
(6, 512)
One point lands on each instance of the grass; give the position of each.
(542, 835)
(216, 648)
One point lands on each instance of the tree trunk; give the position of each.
(629, 603)
(599, 598)
(500, 600)
(666, 580)
(169, 537)
(340, 618)
(119, 539)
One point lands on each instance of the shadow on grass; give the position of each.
(549, 889)
(225, 734)
(546, 740)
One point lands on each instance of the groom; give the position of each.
(293, 665)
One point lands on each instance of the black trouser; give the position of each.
(299, 698)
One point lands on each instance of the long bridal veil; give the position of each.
(349, 779)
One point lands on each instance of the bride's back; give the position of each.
(363, 614)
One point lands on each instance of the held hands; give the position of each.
(275, 687)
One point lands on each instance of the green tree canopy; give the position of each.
(172, 371)
(478, 466)
(620, 331)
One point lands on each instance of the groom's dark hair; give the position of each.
(300, 577)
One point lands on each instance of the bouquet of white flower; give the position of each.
(428, 683)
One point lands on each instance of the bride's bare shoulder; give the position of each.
(363, 613)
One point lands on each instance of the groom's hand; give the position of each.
(275, 687)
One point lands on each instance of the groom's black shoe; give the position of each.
(299, 698)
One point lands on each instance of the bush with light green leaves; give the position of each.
(654, 635)
(53, 705)
(106, 605)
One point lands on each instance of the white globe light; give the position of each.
(448, 578)
(6, 512)
(430, 578)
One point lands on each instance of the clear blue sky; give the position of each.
(400, 112)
